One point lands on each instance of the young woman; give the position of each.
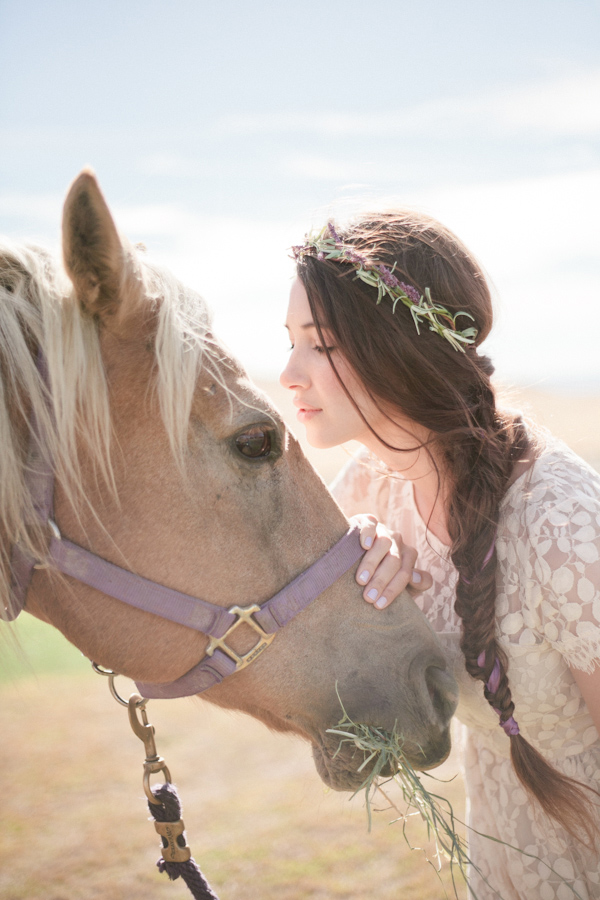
(385, 320)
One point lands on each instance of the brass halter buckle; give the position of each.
(244, 614)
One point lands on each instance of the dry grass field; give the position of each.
(260, 823)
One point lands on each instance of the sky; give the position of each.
(222, 132)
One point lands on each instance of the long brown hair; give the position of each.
(450, 394)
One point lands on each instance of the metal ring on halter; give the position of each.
(108, 673)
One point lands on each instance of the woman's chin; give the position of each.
(319, 442)
(321, 438)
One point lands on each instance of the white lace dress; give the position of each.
(548, 619)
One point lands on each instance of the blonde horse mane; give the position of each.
(38, 308)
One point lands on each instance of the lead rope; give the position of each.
(166, 809)
(163, 800)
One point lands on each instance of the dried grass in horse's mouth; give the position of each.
(384, 751)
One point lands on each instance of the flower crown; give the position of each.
(327, 244)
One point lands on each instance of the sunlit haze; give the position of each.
(221, 132)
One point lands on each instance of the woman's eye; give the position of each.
(320, 349)
(256, 443)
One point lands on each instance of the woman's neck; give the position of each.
(426, 470)
(425, 467)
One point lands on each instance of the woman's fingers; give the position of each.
(381, 592)
(391, 571)
(420, 581)
(388, 566)
(368, 529)
(379, 543)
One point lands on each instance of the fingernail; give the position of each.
(417, 578)
(381, 602)
(372, 594)
(364, 576)
(368, 541)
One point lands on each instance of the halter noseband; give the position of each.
(214, 621)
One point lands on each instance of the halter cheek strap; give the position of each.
(266, 620)
(214, 621)
(39, 484)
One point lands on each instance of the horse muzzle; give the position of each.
(423, 732)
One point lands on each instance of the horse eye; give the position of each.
(255, 443)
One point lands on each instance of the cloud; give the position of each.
(240, 265)
(524, 225)
(568, 106)
(323, 168)
(34, 207)
(177, 165)
(170, 164)
(536, 237)
(538, 240)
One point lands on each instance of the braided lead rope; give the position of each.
(167, 810)
(163, 801)
(165, 807)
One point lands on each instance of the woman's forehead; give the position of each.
(299, 313)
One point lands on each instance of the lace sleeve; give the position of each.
(565, 578)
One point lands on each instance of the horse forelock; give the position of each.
(38, 309)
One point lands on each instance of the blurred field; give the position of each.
(259, 821)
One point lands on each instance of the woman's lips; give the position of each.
(305, 412)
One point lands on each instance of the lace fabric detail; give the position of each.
(548, 620)
(365, 486)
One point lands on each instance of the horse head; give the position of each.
(169, 463)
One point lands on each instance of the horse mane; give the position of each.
(38, 309)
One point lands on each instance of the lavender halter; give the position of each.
(214, 621)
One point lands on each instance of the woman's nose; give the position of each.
(292, 376)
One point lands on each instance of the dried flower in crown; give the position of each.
(327, 244)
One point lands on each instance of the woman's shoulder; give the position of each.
(559, 480)
(549, 550)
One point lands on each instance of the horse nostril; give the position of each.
(443, 692)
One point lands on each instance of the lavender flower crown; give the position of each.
(327, 244)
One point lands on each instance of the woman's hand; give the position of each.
(387, 568)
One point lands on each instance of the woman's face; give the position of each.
(330, 418)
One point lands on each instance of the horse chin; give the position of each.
(338, 764)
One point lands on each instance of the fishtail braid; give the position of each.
(481, 465)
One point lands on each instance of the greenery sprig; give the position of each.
(327, 244)
(382, 753)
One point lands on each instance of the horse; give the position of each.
(168, 465)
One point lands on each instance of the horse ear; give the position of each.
(98, 261)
